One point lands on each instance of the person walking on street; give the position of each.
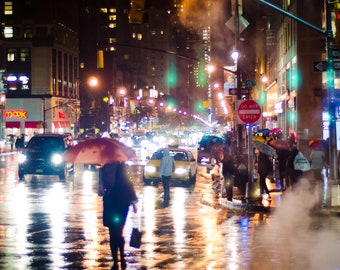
(165, 170)
(118, 194)
(264, 166)
(282, 156)
(292, 174)
(228, 172)
(12, 141)
(20, 142)
(317, 159)
(242, 175)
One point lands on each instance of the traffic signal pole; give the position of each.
(328, 34)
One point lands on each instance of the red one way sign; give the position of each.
(249, 111)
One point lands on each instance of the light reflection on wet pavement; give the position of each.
(48, 224)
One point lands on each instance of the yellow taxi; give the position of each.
(185, 167)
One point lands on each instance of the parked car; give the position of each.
(207, 145)
(185, 167)
(43, 155)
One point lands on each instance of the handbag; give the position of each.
(301, 163)
(136, 238)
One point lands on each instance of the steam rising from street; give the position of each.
(309, 245)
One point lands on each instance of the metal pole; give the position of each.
(44, 115)
(330, 88)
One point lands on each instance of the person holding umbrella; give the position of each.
(118, 194)
(264, 166)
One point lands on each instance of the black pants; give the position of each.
(263, 185)
(166, 187)
(117, 242)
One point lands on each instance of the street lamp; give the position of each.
(235, 55)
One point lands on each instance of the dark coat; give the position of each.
(119, 194)
(264, 164)
(282, 156)
(293, 174)
(228, 167)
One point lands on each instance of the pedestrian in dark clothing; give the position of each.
(242, 175)
(228, 172)
(118, 194)
(292, 174)
(282, 156)
(20, 142)
(165, 170)
(264, 166)
(11, 141)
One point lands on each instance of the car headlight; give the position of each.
(181, 170)
(144, 143)
(21, 158)
(57, 159)
(150, 169)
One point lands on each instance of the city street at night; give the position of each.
(51, 224)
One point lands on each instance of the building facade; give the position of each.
(39, 60)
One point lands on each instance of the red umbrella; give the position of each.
(276, 130)
(279, 144)
(318, 144)
(99, 151)
(292, 136)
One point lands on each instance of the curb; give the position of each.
(239, 205)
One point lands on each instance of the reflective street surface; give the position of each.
(49, 224)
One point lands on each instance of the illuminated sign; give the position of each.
(278, 107)
(15, 114)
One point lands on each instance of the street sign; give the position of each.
(321, 66)
(243, 91)
(249, 111)
(249, 83)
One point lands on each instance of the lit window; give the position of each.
(12, 82)
(24, 55)
(113, 10)
(112, 17)
(11, 55)
(133, 35)
(8, 31)
(103, 10)
(112, 25)
(8, 8)
(139, 36)
(112, 40)
(112, 48)
(24, 82)
(28, 31)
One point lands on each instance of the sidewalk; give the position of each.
(256, 206)
(269, 206)
(5, 149)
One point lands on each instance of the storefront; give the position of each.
(26, 116)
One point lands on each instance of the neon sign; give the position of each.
(15, 114)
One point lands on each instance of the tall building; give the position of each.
(130, 43)
(39, 61)
(295, 91)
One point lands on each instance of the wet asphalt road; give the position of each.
(49, 224)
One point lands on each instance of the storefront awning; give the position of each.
(33, 124)
(13, 124)
(61, 124)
